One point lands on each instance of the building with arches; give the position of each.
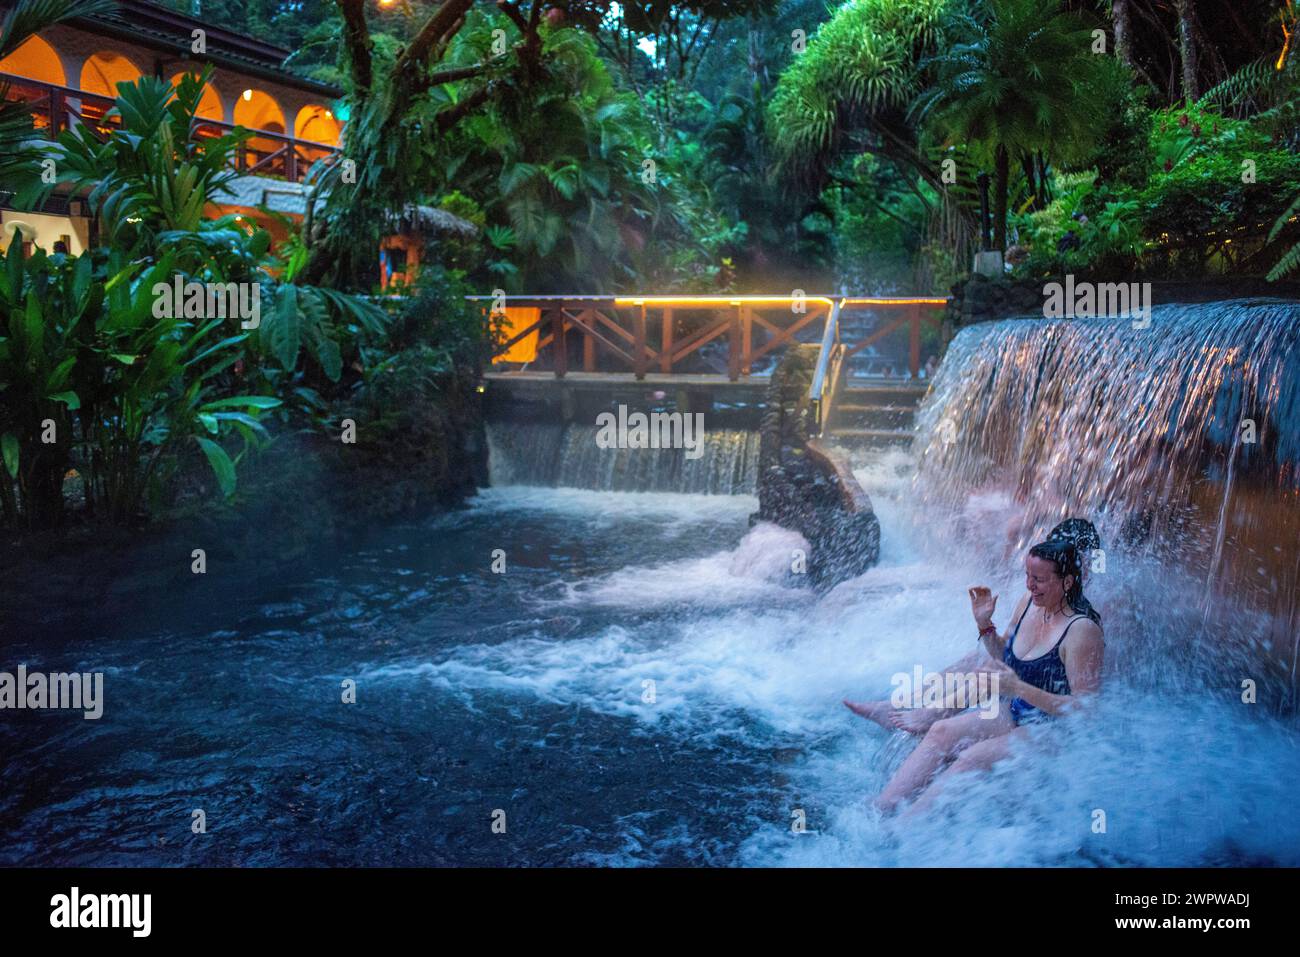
(70, 73)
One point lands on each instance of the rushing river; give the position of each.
(643, 683)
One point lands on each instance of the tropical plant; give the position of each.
(150, 182)
(555, 174)
(851, 88)
(1270, 88)
(20, 152)
(94, 378)
(98, 376)
(41, 306)
(1018, 79)
(570, 161)
(1290, 261)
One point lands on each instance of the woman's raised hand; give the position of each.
(982, 603)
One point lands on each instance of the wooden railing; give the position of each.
(659, 333)
(642, 334)
(265, 153)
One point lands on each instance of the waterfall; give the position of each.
(1180, 441)
(569, 456)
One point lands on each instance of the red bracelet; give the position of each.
(990, 630)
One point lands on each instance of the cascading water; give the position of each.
(570, 456)
(1180, 441)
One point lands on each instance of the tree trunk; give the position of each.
(1003, 176)
(1187, 48)
(1030, 168)
(982, 181)
(1122, 18)
(757, 66)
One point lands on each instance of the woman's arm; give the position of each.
(1082, 654)
(994, 644)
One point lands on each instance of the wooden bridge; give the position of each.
(721, 345)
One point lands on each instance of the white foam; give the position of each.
(735, 647)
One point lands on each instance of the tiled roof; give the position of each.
(274, 194)
(165, 29)
(291, 199)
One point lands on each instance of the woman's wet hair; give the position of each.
(1064, 555)
(1079, 532)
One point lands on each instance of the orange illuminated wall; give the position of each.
(257, 111)
(316, 123)
(519, 318)
(104, 71)
(209, 103)
(35, 60)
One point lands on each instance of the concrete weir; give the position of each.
(613, 432)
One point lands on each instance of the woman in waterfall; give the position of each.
(1080, 533)
(1043, 668)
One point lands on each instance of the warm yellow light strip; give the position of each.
(714, 300)
(893, 302)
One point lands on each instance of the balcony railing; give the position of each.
(57, 108)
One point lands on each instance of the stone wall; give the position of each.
(980, 299)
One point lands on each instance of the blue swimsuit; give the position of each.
(1046, 672)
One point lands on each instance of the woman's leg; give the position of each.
(978, 757)
(944, 741)
(914, 720)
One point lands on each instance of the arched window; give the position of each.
(258, 111)
(317, 123)
(209, 103)
(35, 60)
(104, 71)
(262, 155)
(100, 75)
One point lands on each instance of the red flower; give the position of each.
(1182, 120)
(1169, 166)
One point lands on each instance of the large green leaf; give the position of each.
(329, 357)
(243, 402)
(9, 446)
(221, 464)
(286, 334)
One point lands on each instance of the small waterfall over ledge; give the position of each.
(1180, 441)
(552, 454)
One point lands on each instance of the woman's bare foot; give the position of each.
(914, 720)
(886, 807)
(880, 712)
(911, 720)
